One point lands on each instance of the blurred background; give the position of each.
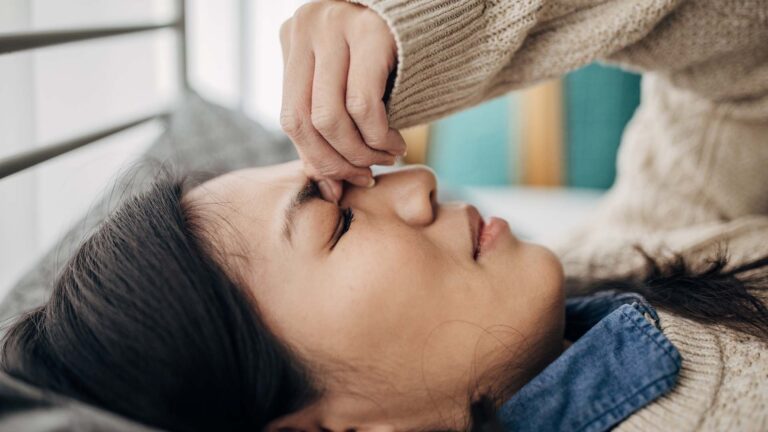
(529, 156)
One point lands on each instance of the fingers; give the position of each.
(366, 84)
(323, 162)
(337, 58)
(329, 115)
(321, 159)
(396, 140)
(331, 190)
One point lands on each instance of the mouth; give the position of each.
(476, 225)
(485, 234)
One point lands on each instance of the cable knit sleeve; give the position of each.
(453, 54)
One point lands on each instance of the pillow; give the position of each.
(26, 408)
(200, 136)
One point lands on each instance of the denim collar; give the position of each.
(620, 361)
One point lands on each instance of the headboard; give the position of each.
(14, 42)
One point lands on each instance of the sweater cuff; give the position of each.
(442, 56)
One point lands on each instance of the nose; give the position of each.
(411, 193)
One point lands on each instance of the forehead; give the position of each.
(261, 183)
(246, 206)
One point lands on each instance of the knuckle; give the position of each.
(307, 12)
(368, 16)
(323, 13)
(303, 10)
(324, 119)
(368, 22)
(335, 11)
(358, 105)
(291, 122)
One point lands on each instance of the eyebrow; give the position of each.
(306, 193)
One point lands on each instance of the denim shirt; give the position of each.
(618, 363)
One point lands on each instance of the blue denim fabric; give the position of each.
(619, 363)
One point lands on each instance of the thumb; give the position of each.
(330, 189)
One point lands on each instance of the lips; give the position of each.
(476, 226)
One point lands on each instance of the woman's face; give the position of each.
(394, 307)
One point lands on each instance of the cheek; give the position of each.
(387, 275)
(529, 288)
(379, 293)
(539, 271)
(390, 260)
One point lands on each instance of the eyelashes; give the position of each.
(345, 221)
(348, 217)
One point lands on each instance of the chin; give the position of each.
(539, 275)
(553, 264)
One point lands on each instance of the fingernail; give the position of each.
(327, 190)
(364, 181)
(400, 152)
(389, 161)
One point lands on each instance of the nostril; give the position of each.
(433, 203)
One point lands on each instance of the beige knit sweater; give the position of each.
(693, 163)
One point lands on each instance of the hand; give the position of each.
(337, 59)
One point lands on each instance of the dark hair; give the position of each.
(143, 322)
(708, 292)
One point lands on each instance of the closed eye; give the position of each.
(346, 217)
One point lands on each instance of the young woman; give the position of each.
(250, 303)
(691, 167)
